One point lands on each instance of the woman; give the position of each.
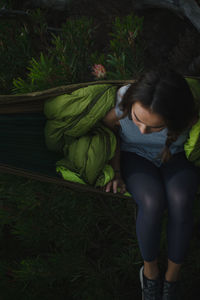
(152, 119)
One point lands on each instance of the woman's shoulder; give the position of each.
(120, 93)
(112, 118)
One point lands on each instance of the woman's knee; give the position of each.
(151, 204)
(180, 204)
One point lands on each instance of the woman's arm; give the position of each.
(112, 121)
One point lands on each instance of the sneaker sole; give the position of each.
(141, 280)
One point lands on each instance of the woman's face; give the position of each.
(146, 120)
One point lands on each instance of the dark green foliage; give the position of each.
(65, 60)
(84, 245)
(34, 58)
(15, 52)
(126, 56)
(20, 40)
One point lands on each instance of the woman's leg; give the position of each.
(143, 180)
(181, 183)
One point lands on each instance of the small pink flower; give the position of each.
(98, 71)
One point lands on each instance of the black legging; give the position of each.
(172, 186)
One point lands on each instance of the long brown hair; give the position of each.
(168, 94)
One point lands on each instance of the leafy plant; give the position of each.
(20, 41)
(125, 58)
(74, 46)
(66, 59)
(15, 51)
(41, 76)
(118, 64)
(69, 55)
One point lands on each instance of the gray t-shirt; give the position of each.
(146, 145)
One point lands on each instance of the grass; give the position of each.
(58, 244)
(66, 245)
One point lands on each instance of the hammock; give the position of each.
(23, 151)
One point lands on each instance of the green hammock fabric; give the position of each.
(23, 145)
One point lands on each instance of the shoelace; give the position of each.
(170, 288)
(152, 291)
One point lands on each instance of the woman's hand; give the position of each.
(117, 182)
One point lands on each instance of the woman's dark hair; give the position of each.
(167, 94)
